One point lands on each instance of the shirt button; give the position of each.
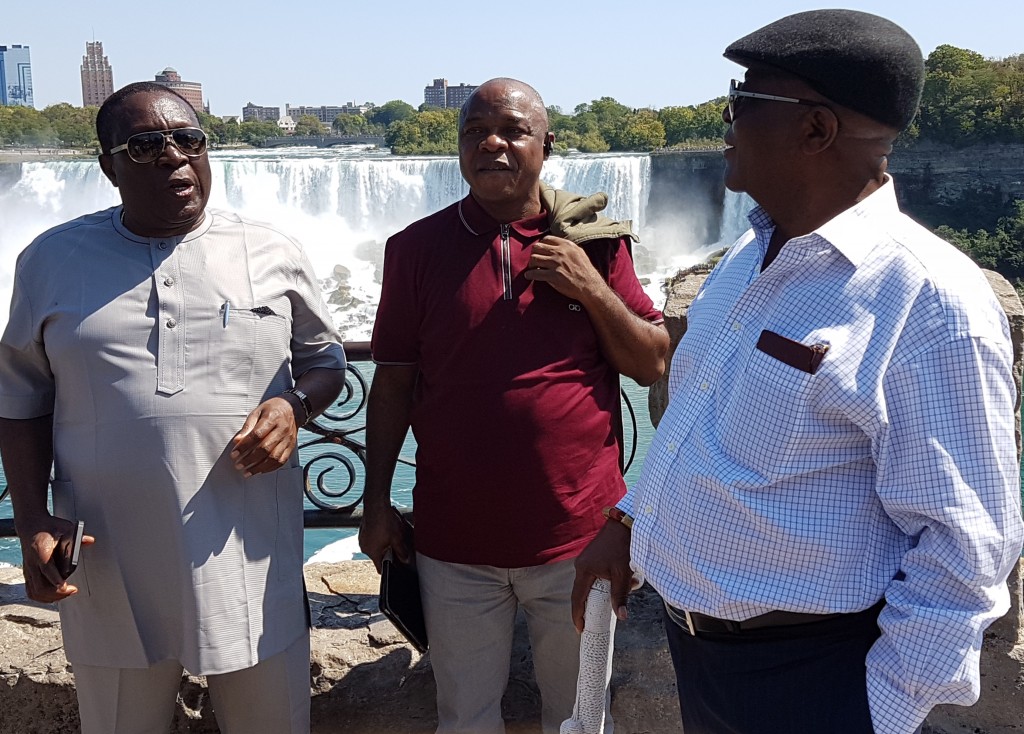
(672, 447)
(171, 323)
(168, 281)
(737, 326)
(162, 245)
(704, 386)
(648, 510)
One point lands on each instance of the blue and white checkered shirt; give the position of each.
(890, 470)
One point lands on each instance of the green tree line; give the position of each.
(596, 127)
(967, 99)
(1001, 250)
(59, 125)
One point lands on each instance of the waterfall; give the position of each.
(734, 217)
(341, 204)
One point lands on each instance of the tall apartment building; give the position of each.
(434, 95)
(439, 94)
(456, 96)
(254, 113)
(15, 76)
(97, 76)
(191, 91)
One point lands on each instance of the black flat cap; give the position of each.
(859, 60)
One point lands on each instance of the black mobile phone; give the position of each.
(70, 550)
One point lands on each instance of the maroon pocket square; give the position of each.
(799, 356)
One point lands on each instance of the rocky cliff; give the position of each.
(961, 187)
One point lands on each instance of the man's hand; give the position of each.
(381, 529)
(40, 543)
(606, 557)
(564, 265)
(266, 439)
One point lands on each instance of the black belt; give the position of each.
(695, 623)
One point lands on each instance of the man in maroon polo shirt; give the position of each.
(500, 344)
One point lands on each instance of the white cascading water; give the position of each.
(341, 204)
(734, 220)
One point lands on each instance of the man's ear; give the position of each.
(107, 166)
(549, 141)
(819, 131)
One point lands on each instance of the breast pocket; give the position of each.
(244, 348)
(764, 415)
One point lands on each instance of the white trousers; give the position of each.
(470, 613)
(272, 697)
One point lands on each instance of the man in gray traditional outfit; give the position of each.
(162, 358)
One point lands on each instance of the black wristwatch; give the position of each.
(306, 405)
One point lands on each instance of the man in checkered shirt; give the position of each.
(831, 505)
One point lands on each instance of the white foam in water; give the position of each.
(340, 550)
(334, 201)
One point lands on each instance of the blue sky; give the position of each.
(641, 52)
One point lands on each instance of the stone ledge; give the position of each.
(364, 677)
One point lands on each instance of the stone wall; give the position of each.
(363, 676)
(365, 679)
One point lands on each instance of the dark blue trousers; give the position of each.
(809, 679)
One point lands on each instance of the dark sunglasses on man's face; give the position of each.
(736, 92)
(146, 147)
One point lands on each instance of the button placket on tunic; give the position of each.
(170, 299)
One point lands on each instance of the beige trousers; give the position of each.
(271, 697)
(470, 613)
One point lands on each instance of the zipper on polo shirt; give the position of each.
(506, 263)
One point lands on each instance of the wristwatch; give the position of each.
(304, 400)
(614, 513)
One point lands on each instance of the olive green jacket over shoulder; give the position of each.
(576, 217)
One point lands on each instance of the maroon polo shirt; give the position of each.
(514, 412)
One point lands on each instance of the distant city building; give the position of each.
(15, 76)
(439, 94)
(358, 109)
(254, 113)
(287, 124)
(191, 91)
(435, 95)
(97, 76)
(327, 113)
(455, 97)
(231, 118)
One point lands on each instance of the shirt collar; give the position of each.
(478, 222)
(853, 232)
(204, 226)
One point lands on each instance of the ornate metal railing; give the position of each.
(335, 474)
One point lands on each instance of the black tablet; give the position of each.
(400, 600)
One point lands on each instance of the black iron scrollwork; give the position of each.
(345, 465)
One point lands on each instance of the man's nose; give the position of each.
(493, 141)
(171, 154)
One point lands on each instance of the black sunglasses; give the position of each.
(736, 92)
(146, 147)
